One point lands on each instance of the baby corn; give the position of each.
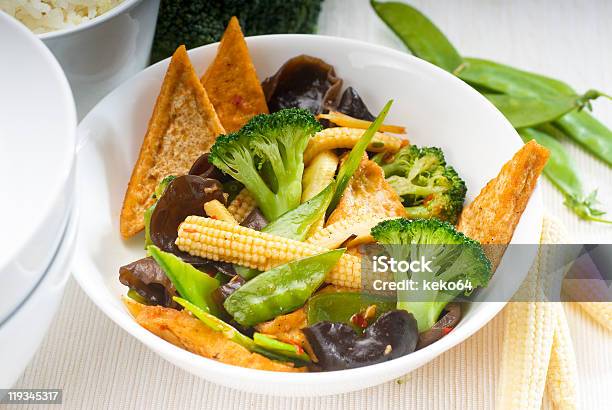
(342, 137)
(343, 120)
(242, 205)
(333, 235)
(223, 241)
(319, 174)
(562, 376)
(216, 210)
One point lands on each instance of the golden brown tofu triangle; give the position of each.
(231, 81)
(368, 195)
(183, 126)
(189, 333)
(494, 214)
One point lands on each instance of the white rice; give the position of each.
(42, 16)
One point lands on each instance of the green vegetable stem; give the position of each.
(281, 348)
(526, 99)
(192, 284)
(280, 290)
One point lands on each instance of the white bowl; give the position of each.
(37, 155)
(437, 109)
(100, 54)
(24, 330)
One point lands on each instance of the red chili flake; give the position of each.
(237, 100)
(446, 330)
(189, 230)
(358, 320)
(427, 199)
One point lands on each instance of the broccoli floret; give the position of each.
(428, 186)
(454, 258)
(267, 156)
(195, 23)
(401, 161)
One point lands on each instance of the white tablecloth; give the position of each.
(99, 366)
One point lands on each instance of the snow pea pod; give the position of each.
(562, 172)
(419, 34)
(281, 289)
(191, 283)
(581, 127)
(587, 131)
(530, 111)
(505, 79)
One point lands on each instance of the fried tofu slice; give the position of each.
(368, 196)
(231, 81)
(183, 126)
(494, 214)
(187, 332)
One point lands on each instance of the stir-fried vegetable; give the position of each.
(281, 289)
(428, 186)
(454, 257)
(192, 284)
(266, 155)
(279, 351)
(348, 307)
(297, 223)
(209, 238)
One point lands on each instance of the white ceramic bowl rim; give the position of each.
(177, 355)
(120, 8)
(69, 227)
(56, 74)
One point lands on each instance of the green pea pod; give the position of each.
(581, 126)
(504, 79)
(295, 224)
(282, 351)
(280, 348)
(419, 34)
(587, 131)
(530, 111)
(348, 167)
(339, 307)
(281, 289)
(191, 284)
(562, 172)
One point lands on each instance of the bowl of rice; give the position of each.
(98, 43)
